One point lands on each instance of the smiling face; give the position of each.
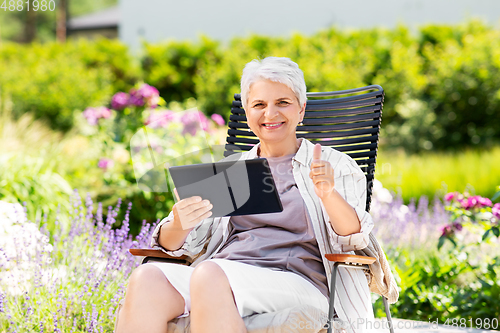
(273, 113)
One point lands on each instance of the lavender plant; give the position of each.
(412, 226)
(71, 280)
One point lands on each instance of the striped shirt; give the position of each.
(352, 295)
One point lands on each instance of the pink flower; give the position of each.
(147, 91)
(103, 112)
(193, 121)
(484, 202)
(450, 196)
(91, 115)
(496, 210)
(153, 101)
(476, 201)
(120, 101)
(94, 114)
(135, 98)
(217, 118)
(450, 229)
(160, 119)
(105, 163)
(145, 95)
(445, 230)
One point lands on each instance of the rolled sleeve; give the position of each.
(190, 247)
(350, 183)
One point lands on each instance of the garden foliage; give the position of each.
(53, 80)
(72, 279)
(441, 83)
(439, 279)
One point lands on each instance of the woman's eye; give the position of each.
(258, 105)
(283, 103)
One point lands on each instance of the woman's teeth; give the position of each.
(272, 125)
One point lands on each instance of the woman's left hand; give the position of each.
(321, 174)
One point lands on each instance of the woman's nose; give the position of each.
(271, 112)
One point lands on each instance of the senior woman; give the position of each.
(265, 262)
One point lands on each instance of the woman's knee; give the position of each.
(147, 278)
(208, 276)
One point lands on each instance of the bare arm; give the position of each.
(187, 214)
(172, 236)
(343, 217)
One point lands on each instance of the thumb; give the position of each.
(317, 152)
(176, 194)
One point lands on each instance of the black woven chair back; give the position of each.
(346, 120)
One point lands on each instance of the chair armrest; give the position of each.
(350, 258)
(156, 253)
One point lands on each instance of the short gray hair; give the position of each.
(276, 69)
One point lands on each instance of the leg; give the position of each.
(150, 302)
(212, 304)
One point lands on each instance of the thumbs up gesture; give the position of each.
(321, 174)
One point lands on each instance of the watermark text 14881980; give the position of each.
(33, 5)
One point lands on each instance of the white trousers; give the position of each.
(255, 289)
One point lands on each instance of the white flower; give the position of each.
(10, 213)
(380, 193)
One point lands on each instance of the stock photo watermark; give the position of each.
(383, 324)
(29, 5)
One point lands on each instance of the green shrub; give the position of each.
(172, 66)
(441, 83)
(464, 76)
(52, 80)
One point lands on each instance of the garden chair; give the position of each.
(347, 120)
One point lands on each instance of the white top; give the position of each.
(352, 295)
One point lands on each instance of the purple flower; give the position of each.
(193, 121)
(496, 210)
(445, 230)
(450, 229)
(217, 118)
(457, 226)
(94, 114)
(105, 163)
(150, 94)
(148, 91)
(135, 98)
(160, 119)
(91, 115)
(145, 95)
(104, 112)
(120, 101)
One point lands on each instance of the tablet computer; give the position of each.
(240, 187)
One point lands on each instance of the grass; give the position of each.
(436, 173)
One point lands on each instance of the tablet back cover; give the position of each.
(234, 188)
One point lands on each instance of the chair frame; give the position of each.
(352, 123)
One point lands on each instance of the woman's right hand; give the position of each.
(191, 211)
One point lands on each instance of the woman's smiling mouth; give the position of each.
(272, 125)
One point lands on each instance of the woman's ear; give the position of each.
(302, 112)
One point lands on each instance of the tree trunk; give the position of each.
(62, 11)
(30, 26)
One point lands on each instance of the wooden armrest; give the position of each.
(350, 258)
(156, 253)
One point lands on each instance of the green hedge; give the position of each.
(52, 80)
(442, 82)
